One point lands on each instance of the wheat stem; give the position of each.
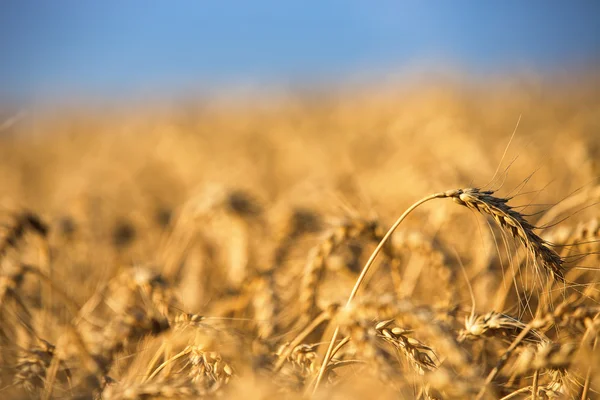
(361, 278)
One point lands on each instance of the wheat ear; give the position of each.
(512, 221)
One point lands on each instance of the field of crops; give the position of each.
(215, 248)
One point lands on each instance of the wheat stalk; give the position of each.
(483, 202)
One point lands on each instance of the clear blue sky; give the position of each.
(116, 47)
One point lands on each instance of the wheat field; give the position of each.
(213, 248)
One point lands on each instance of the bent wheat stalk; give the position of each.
(361, 277)
(485, 203)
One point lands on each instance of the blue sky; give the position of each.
(119, 47)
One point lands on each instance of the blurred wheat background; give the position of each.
(207, 246)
